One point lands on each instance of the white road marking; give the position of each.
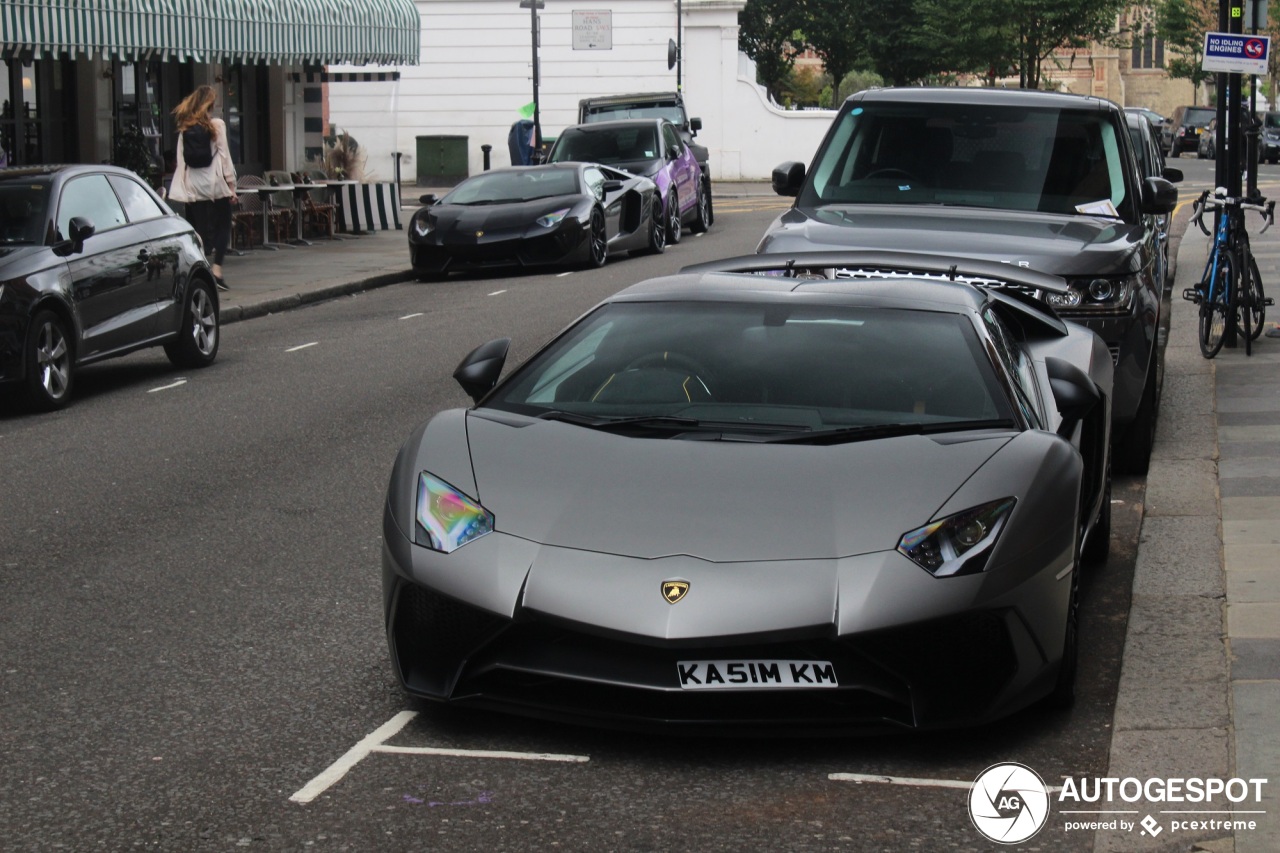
(860, 778)
(335, 771)
(563, 274)
(497, 293)
(411, 316)
(302, 346)
(376, 742)
(483, 753)
(167, 387)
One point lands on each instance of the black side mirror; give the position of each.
(427, 199)
(1158, 196)
(1172, 175)
(479, 371)
(788, 178)
(612, 186)
(81, 229)
(1073, 391)
(695, 124)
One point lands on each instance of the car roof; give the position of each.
(56, 169)
(982, 96)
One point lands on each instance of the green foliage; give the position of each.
(767, 32)
(133, 151)
(1182, 24)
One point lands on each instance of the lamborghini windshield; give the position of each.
(760, 366)
(1009, 158)
(516, 185)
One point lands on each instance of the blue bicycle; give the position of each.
(1230, 293)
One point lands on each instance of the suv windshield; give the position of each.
(609, 145)
(611, 112)
(1198, 116)
(1002, 157)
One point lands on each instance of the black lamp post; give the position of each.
(533, 6)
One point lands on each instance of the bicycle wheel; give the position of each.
(1255, 299)
(1215, 306)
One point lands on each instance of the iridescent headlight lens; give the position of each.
(447, 519)
(422, 225)
(958, 544)
(552, 218)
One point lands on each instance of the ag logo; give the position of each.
(673, 591)
(1009, 803)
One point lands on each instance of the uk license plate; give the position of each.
(755, 674)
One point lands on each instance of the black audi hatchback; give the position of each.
(93, 264)
(1042, 180)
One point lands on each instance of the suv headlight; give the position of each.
(1092, 296)
(959, 544)
(446, 518)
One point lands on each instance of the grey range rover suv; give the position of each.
(1041, 180)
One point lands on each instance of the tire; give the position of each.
(197, 342)
(657, 229)
(1064, 689)
(702, 210)
(597, 242)
(1098, 547)
(672, 211)
(1132, 454)
(1256, 299)
(50, 362)
(1213, 314)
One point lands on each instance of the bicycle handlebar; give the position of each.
(1219, 200)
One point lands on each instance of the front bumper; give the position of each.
(567, 243)
(978, 651)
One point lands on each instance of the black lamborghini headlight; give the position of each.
(958, 544)
(422, 224)
(446, 518)
(551, 219)
(1096, 296)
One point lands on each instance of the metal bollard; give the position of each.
(486, 148)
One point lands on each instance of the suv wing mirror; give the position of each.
(1158, 196)
(695, 124)
(788, 178)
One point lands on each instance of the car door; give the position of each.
(109, 286)
(684, 169)
(162, 254)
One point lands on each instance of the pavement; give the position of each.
(1199, 691)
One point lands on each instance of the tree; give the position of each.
(768, 33)
(1041, 27)
(1182, 24)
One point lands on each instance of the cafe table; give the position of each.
(264, 193)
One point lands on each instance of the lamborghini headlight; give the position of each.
(1096, 296)
(959, 544)
(552, 218)
(447, 519)
(422, 224)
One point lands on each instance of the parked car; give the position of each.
(1269, 141)
(668, 105)
(1161, 125)
(1038, 179)
(1189, 123)
(1151, 164)
(652, 148)
(1207, 147)
(93, 265)
(598, 538)
(573, 213)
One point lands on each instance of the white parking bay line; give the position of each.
(563, 274)
(302, 346)
(377, 742)
(483, 753)
(176, 384)
(861, 778)
(335, 771)
(497, 293)
(411, 316)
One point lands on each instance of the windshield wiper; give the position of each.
(672, 422)
(870, 432)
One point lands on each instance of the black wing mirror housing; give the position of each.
(1172, 175)
(695, 125)
(1073, 391)
(612, 186)
(788, 178)
(80, 229)
(427, 199)
(479, 371)
(1158, 196)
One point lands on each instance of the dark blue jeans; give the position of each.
(212, 221)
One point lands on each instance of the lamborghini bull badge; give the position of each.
(673, 591)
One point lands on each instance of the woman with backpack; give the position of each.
(205, 178)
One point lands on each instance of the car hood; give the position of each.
(1061, 245)
(573, 487)
(468, 217)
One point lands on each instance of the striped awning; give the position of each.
(287, 32)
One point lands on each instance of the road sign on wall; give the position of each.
(1236, 54)
(593, 30)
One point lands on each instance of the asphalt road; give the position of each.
(191, 628)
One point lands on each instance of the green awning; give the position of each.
(288, 32)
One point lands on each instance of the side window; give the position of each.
(595, 181)
(138, 203)
(670, 140)
(1019, 368)
(89, 197)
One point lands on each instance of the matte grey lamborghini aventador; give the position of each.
(820, 493)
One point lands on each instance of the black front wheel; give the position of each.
(598, 245)
(702, 210)
(1214, 307)
(49, 362)
(674, 225)
(196, 344)
(1255, 300)
(657, 228)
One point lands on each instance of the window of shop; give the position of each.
(37, 116)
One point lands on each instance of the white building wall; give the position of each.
(475, 75)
